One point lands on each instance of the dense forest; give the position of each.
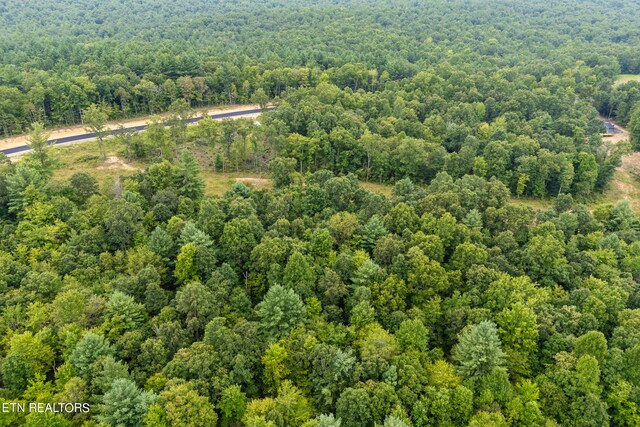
(319, 302)
(138, 56)
(315, 305)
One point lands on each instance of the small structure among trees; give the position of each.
(610, 128)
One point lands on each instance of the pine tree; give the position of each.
(17, 184)
(473, 219)
(192, 234)
(188, 180)
(478, 350)
(328, 421)
(281, 310)
(161, 243)
(373, 230)
(125, 405)
(91, 347)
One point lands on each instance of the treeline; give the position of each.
(321, 304)
(539, 138)
(54, 100)
(620, 102)
(137, 58)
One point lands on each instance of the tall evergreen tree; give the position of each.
(478, 350)
(125, 405)
(280, 311)
(188, 180)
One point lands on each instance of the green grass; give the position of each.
(377, 187)
(625, 78)
(85, 157)
(624, 186)
(533, 202)
(218, 183)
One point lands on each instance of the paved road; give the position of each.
(23, 148)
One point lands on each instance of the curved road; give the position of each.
(24, 148)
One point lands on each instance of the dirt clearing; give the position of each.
(621, 133)
(114, 162)
(257, 183)
(626, 180)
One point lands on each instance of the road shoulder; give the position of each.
(20, 140)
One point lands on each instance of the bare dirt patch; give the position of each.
(621, 135)
(114, 162)
(258, 183)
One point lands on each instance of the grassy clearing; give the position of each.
(533, 202)
(218, 183)
(625, 78)
(377, 187)
(625, 186)
(86, 157)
